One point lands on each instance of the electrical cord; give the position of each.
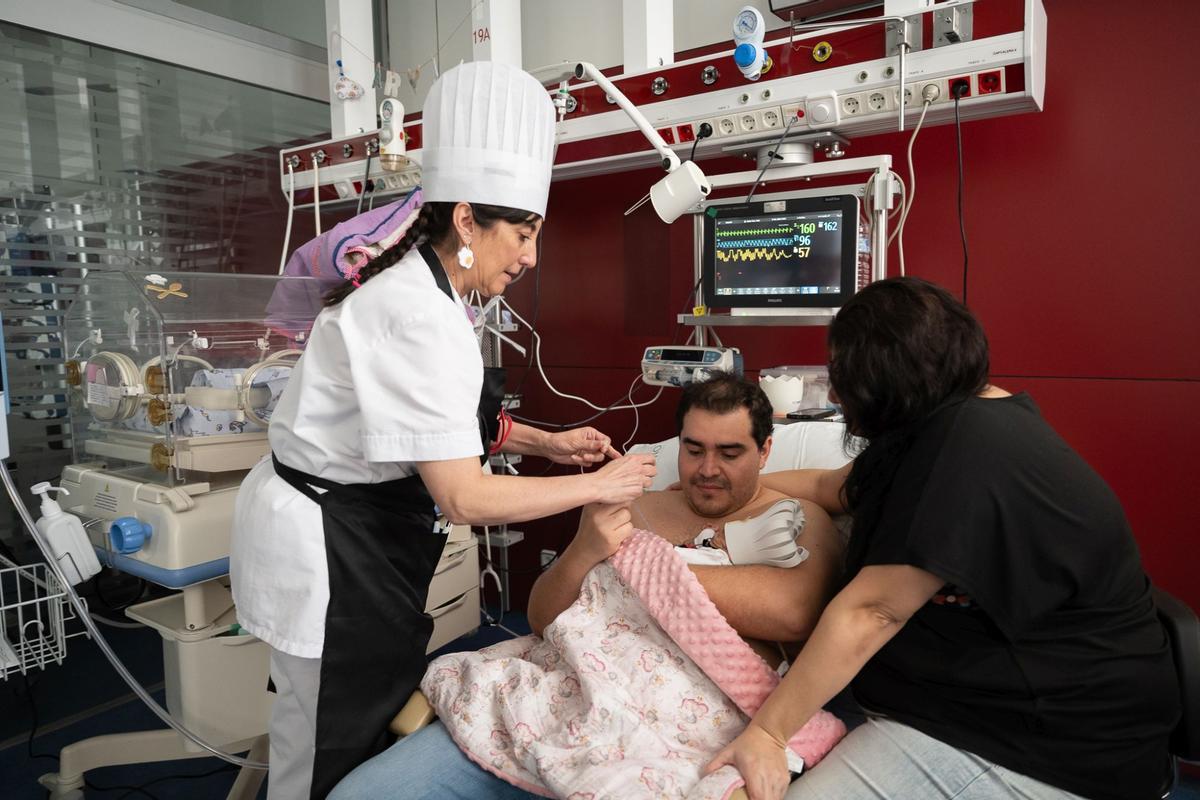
(366, 182)
(287, 231)
(703, 132)
(959, 90)
(912, 183)
(33, 713)
(141, 788)
(537, 350)
(771, 156)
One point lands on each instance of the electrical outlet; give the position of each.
(547, 557)
(851, 105)
(771, 118)
(724, 126)
(878, 101)
(935, 88)
(793, 110)
(991, 82)
(962, 80)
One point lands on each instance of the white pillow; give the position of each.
(797, 445)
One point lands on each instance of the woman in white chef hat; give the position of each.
(387, 413)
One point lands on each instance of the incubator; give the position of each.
(173, 378)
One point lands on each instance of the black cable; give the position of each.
(129, 789)
(366, 181)
(33, 726)
(703, 132)
(962, 221)
(141, 789)
(568, 425)
(772, 154)
(687, 305)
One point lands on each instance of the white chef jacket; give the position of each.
(390, 376)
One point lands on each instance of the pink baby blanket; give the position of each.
(631, 692)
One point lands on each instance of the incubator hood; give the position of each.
(177, 373)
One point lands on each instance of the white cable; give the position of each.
(287, 233)
(637, 420)
(317, 194)
(912, 185)
(94, 632)
(537, 357)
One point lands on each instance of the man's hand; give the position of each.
(760, 759)
(579, 446)
(620, 482)
(602, 528)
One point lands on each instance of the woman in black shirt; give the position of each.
(996, 623)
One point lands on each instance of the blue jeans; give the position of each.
(883, 759)
(425, 766)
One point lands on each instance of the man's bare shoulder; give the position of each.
(659, 502)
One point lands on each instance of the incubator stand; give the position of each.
(173, 378)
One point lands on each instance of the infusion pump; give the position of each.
(679, 365)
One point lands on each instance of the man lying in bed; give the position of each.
(724, 426)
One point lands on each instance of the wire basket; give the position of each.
(34, 612)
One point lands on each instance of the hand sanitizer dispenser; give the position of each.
(65, 536)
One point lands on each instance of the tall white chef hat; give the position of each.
(488, 137)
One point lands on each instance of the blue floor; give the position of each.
(84, 697)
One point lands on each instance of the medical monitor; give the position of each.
(792, 253)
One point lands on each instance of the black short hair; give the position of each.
(898, 350)
(723, 393)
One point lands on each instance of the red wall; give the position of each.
(1082, 269)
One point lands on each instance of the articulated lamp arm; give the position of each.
(584, 69)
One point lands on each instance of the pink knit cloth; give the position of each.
(679, 604)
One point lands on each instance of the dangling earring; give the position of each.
(466, 258)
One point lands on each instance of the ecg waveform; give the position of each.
(762, 242)
(754, 254)
(756, 231)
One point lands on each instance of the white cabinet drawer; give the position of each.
(457, 617)
(456, 572)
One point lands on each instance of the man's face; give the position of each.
(719, 461)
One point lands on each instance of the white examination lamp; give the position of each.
(685, 184)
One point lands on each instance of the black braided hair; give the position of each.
(434, 223)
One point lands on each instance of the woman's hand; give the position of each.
(602, 528)
(760, 759)
(620, 481)
(579, 446)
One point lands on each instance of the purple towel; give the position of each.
(325, 257)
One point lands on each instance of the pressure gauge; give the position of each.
(748, 24)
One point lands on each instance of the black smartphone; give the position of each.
(811, 413)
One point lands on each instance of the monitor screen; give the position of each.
(794, 253)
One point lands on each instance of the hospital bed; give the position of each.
(798, 445)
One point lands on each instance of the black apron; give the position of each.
(381, 551)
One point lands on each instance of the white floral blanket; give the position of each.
(632, 691)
